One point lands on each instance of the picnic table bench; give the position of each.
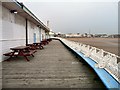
(8, 54)
(21, 51)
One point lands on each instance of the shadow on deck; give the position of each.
(52, 67)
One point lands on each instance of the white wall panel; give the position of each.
(0, 31)
(43, 34)
(40, 35)
(32, 28)
(13, 31)
(30, 32)
(7, 28)
(0, 45)
(19, 32)
(19, 27)
(37, 34)
(0, 20)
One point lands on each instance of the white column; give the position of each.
(0, 31)
(40, 34)
(45, 35)
(0, 45)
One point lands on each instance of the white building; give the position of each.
(73, 35)
(18, 26)
(51, 33)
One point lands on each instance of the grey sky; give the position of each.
(78, 17)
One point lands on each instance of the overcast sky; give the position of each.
(67, 16)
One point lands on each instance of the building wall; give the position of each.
(43, 36)
(119, 17)
(13, 31)
(47, 35)
(33, 29)
(0, 45)
(40, 34)
(0, 30)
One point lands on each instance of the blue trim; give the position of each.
(108, 80)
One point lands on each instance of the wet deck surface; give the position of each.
(52, 67)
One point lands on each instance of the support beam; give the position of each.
(26, 31)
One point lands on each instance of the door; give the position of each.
(34, 37)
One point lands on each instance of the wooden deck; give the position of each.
(52, 67)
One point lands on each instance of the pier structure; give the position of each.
(61, 64)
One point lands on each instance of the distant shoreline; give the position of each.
(107, 44)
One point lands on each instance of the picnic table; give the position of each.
(49, 39)
(21, 51)
(44, 42)
(38, 45)
(31, 46)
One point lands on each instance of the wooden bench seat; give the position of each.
(25, 54)
(8, 54)
(20, 51)
(31, 52)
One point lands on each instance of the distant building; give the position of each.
(101, 35)
(114, 36)
(51, 33)
(72, 35)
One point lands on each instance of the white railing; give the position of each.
(104, 59)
